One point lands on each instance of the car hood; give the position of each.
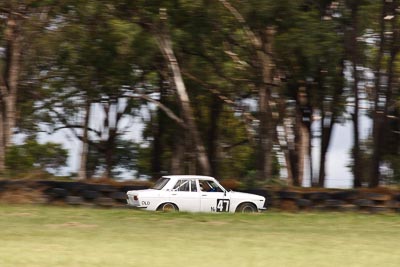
(240, 195)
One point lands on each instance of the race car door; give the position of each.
(212, 197)
(185, 195)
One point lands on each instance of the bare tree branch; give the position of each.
(8, 11)
(256, 42)
(247, 118)
(164, 108)
(75, 126)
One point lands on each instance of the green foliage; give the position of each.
(30, 156)
(78, 52)
(124, 157)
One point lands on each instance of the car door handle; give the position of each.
(174, 194)
(204, 195)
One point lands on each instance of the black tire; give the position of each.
(58, 193)
(74, 200)
(104, 202)
(318, 196)
(247, 207)
(288, 195)
(119, 196)
(90, 194)
(347, 195)
(168, 207)
(303, 203)
(363, 203)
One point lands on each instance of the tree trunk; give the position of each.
(294, 164)
(356, 135)
(82, 173)
(166, 47)
(12, 75)
(9, 85)
(159, 127)
(302, 148)
(262, 46)
(178, 153)
(326, 133)
(382, 119)
(309, 149)
(303, 133)
(215, 111)
(378, 113)
(109, 153)
(355, 116)
(2, 143)
(266, 135)
(288, 166)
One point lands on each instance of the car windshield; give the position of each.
(160, 183)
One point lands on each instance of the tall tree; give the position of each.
(24, 22)
(389, 21)
(95, 69)
(166, 48)
(261, 39)
(354, 52)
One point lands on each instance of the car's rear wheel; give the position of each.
(168, 207)
(246, 208)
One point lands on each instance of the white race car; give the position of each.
(195, 194)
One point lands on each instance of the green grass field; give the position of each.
(53, 236)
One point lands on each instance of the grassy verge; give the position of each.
(53, 236)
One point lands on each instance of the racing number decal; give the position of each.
(222, 205)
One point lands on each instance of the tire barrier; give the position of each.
(304, 204)
(3, 186)
(75, 200)
(288, 195)
(58, 193)
(286, 199)
(119, 196)
(90, 194)
(105, 202)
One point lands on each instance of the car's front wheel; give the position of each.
(168, 207)
(246, 208)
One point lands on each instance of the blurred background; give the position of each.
(302, 93)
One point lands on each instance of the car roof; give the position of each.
(188, 177)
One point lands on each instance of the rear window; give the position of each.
(160, 183)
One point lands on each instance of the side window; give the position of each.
(182, 185)
(193, 186)
(214, 187)
(204, 186)
(209, 186)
